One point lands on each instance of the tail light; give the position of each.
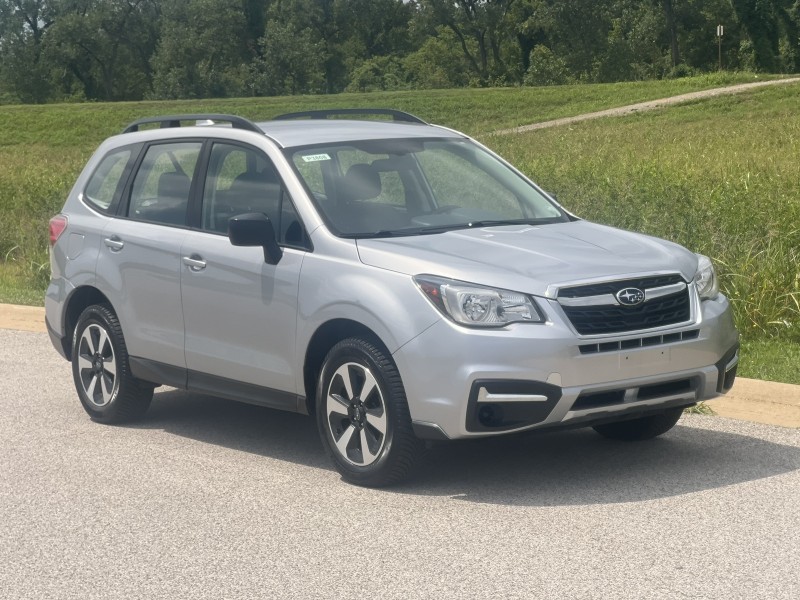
(57, 226)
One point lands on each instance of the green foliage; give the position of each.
(438, 63)
(773, 359)
(767, 23)
(202, 51)
(289, 62)
(380, 73)
(103, 53)
(546, 68)
(73, 50)
(701, 408)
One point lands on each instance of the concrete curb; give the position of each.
(22, 318)
(750, 400)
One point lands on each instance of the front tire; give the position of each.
(643, 428)
(363, 416)
(100, 369)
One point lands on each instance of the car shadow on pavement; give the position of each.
(275, 433)
(579, 467)
(572, 467)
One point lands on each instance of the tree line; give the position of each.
(73, 50)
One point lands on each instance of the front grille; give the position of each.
(612, 287)
(603, 319)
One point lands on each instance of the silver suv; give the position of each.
(396, 279)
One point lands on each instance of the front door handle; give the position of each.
(114, 243)
(195, 262)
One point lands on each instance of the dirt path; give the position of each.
(645, 106)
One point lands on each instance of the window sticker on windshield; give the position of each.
(316, 157)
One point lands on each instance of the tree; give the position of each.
(766, 23)
(203, 50)
(321, 18)
(289, 62)
(23, 24)
(481, 28)
(106, 46)
(439, 63)
(672, 31)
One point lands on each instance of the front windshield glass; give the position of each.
(383, 188)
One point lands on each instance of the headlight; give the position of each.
(478, 306)
(706, 278)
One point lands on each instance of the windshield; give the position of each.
(382, 188)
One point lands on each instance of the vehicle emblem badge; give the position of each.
(630, 296)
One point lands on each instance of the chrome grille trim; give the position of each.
(654, 293)
(610, 299)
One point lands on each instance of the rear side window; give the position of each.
(161, 187)
(106, 179)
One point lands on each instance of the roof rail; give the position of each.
(397, 115)
(175, 121)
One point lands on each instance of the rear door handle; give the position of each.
(114, 243)
(195, 262)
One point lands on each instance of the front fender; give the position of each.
(386, 302)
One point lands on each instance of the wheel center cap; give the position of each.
(358, 414)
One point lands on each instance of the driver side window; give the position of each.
(243, 180)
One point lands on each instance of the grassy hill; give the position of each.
(720, 176)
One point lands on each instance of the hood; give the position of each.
(529, 258)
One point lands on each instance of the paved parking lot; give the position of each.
(213, 499)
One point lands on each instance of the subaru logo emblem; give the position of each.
(630, 296)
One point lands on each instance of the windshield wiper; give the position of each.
(385, 233)
(487, 223)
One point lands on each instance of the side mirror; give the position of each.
(255, 229)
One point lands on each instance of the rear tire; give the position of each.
(644, 428)
(100, 369)
(363, 416)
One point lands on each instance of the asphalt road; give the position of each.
(213, 499)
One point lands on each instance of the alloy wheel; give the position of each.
(356, 414)
(97, 367)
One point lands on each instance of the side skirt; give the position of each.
(178, 377)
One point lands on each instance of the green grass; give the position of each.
(719, 176)
(765, 358)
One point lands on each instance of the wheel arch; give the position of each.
(80, 299)
(326, 336)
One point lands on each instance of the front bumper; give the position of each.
(464, 382)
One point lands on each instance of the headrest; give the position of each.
(362, 182)
(248, 179)
(174, 185)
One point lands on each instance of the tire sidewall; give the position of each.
(354, 350)
(96, 315)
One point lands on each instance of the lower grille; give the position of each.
(588, 400)
(655, 340)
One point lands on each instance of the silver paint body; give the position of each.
(245, 320)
